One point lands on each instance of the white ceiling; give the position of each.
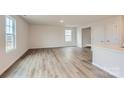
(69, 20)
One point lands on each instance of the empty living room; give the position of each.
(61, 46)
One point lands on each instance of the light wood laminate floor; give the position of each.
(69, 62)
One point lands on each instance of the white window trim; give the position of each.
(68, 35)
(14, 35)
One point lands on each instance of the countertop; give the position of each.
(109, 47)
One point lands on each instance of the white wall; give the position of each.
(49, 36)
(7, 59)
(79, 37)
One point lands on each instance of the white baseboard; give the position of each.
(106, 70)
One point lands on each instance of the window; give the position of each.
(10, 32)
(68, 35)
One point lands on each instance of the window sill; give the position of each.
(10, 50)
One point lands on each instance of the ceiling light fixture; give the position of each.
(61, 21)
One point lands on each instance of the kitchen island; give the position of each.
(109, 58)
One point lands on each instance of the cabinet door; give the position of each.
(98, 34)
(112, 33)
(116, 34)
(108, 33)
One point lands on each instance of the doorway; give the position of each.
(86, 37)
(86, 43)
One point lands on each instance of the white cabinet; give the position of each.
(107, 32)
(112, 31)
(109, 59)
(97, 34)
